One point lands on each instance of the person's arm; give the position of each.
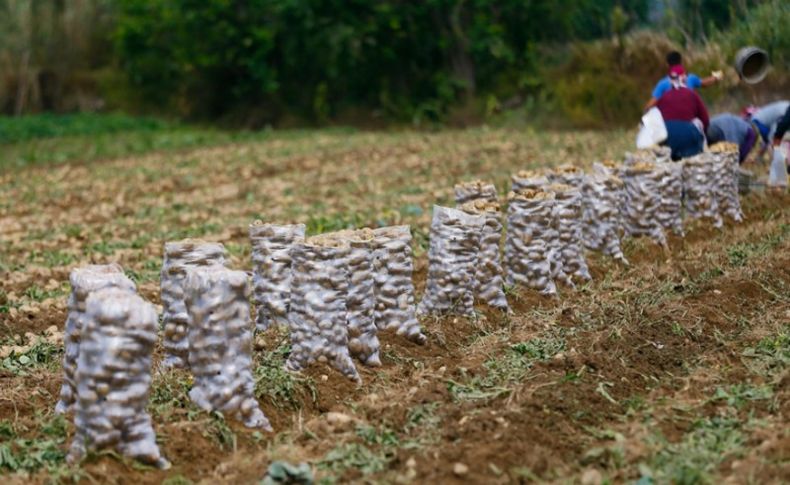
(781, 127)
(660, 88)
(706, 81)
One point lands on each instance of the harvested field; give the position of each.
(673, 369)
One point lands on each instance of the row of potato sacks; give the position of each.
(336, 291)
(553, 215)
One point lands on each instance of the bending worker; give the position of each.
(685, 116)
(731, 128)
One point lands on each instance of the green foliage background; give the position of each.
(286, 62)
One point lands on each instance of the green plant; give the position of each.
(282, 388)
(40, 354)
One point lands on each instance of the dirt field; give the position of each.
(670, 370)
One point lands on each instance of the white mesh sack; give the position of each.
(668, 177)
(530, 240)
(455, 244)
(642, 200)
(114, 377)
(528, 179)
(569, 254)
(318, 314)
(271, 276)
(220, 344)
(393, 288)
(475, 190)
(699, 183)
(84, 281)
(363, 342)
(726, 156)
(488, 273)
(180, 256)
(568, 175)
(603, 193)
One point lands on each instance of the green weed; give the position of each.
(41, 354)
(702, 449)
(282, 388)
(31, 454)
(219, 431)
(738, 395)
(169, 393)
(506, 370)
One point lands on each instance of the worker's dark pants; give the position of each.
(684, 139)
(746, 145)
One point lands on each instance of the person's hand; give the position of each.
(717, 75)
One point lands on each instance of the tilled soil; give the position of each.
(633, 372)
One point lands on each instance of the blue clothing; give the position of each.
(692, 82)
(684, 139)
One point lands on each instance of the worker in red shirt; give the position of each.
(685, 116)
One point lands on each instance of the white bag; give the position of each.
(652, 129)
(777, 177)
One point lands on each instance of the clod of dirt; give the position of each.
(113, 377)
(271, 277)
(339, 422)
(220, 341)
(84, 281)
(459, 469)
(455, 244)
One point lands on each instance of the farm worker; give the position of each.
(766, 118)
(781, 128)
(685, 116)
(692, 80)
(732, 128)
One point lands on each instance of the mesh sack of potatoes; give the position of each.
(114, 377)
(569, 253)
(530, 240)
(727, 179)
(220, 344)
(568, 175)
(271, 276)
(699, 183)
(528, 179)
(474, 190)
(363, 342)
(178, 258)
(488, 285)
(668, 177)
(641, 202)
(654, 154)
(393, 287)
(601, 226)
(454, 246)
(317, 318)
(607, 167)
(84, 281)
